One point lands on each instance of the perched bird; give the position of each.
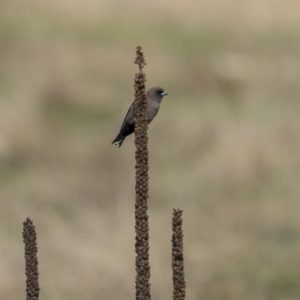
(154, 97)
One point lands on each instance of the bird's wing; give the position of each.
(128, 117)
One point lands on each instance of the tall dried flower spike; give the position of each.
(142, 265)
(177, 256)
(31, 261)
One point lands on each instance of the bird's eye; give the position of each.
(159, 92)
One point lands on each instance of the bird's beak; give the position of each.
(164, 94)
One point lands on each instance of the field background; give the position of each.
(225, 145)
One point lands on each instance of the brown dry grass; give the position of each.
(225, 145)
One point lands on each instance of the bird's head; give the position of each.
(156, 93)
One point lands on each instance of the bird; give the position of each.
(154, 96)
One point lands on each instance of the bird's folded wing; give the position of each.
(129, 117)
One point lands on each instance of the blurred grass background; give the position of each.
(224, 147)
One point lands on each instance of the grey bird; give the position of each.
(154, 97)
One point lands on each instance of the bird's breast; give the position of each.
(152, 110)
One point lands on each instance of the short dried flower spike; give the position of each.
(31, 261)
(177, 256)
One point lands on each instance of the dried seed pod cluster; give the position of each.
(140, 59)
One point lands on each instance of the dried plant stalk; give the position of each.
(31, 261)
(141, 155)
(177, 256)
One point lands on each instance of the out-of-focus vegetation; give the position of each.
(224, 147)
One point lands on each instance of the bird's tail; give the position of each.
(118, 141)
